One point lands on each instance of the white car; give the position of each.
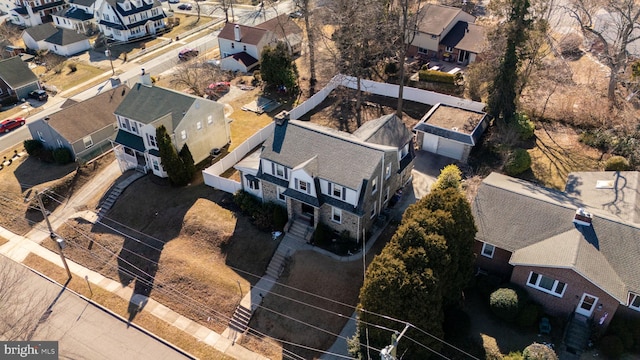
(174, 1)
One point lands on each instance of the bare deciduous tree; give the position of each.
(613, 30)
(21, 306)
(196, 76)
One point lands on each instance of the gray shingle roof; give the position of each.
(16, 73)
(41, 31)
(74, 13)
(134, 9)
(466, 36)
(341, 157)
(514, 214)
(435, 18)
(387, 130)
(149, 103)
(87, 3)
(65, 37)
(76, 121)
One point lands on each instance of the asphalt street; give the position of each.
(83, 331)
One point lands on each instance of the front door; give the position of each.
(308, 210)
(587, 304)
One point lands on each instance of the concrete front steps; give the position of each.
(300, 230)
(115, 192)
(577, 334)
(240, 319)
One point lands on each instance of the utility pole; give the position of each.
(389, 351)
(108, 54)
(59, 241)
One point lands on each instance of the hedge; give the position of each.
(506, 303)
(436, 76)
(518, 162)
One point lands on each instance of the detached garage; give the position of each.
(450, 131)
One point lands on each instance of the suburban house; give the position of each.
(450, 131)
(85, 128)
(324, 175)
(79, 16)
(191, 120)
(34, 37)
(447, 33)
(574, 251)
(16, 80)
(241, 45)
(31, 13)
(126, 20)
(61, 41)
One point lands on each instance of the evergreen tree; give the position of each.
(169, 157)
(187, 162)
(277, 67)
(502, 92)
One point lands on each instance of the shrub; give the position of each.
(73, 67)
(514, 355)
(570, 45)
(506, 303)
(450, 177)
(524, 126)
(62, 156)
(390, 68)
(537, 351)
(323, 234)
(529, 315)
(517, 162)
(612, 346)
(247, 203)
(33, 147)
(46, 155)
(617, 163)
(436, 76)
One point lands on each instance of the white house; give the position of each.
(34, 12)
(34, 37)
(67, 42)
(126, 20)
(79, 16)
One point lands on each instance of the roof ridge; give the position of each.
(348, 137)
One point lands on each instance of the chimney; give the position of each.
(582, 217)
(145, 79)
(236, 32)
(282, 117)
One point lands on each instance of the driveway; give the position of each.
(426, 168)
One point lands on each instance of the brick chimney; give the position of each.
(582, 217)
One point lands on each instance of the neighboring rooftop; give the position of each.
(65, 37)
(458, 119)
(248, 34)
(41, 31)
(466, 36)
(433, 18)
(16, 73)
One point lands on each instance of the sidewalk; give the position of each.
(19, 247)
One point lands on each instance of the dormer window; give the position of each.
(303, 186)
(279, 171)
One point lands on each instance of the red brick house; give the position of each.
(575, 251)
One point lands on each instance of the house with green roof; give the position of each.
(16, 80)
(575, 251)
(197, 122)
(327, 176)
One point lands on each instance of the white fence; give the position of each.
(212, 173)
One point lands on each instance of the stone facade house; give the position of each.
(574, 251)
(323, 175)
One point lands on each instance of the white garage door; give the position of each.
(450, 149)
(430, 143)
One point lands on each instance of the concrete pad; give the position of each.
(171, 316)
(110, 285)
(426, 168)
(223, 345)
(211, 339)
(192, 328)
(181, 322)
(201, 333)
(159, 311)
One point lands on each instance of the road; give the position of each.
(83, 331)
(247, 15)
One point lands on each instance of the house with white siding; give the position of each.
(127, 20)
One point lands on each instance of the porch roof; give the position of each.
(130, 140)
(307, 199)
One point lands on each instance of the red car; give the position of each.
(11, 124)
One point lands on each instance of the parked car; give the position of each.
(218, 88)
(39, 95)
(11, 124)
(295, 14)
(188, 54)
(174, 1)
(185, 7)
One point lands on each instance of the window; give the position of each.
(88, 142)
(488, 250)
(281, 196)
(374, 185)
(129, 152)
(635, 302)
(152, 140)
(253, 184)
(143, 16)
(303, 186)
(57, 20)
(387, 171)
(373, 211)
(279, 171)
(199, 125)
(337, 191)
(422, 51)
(156, 166)
(404, 151)
(448, 49)
(183, 134)
(209, 119)
(106, 17)
(546, 284)
(434, 36)
(124, 123)
(134, 127)
(336, 215)
(154, 12)
(386, 195)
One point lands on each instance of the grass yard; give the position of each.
(120, 307)
(66, 79)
